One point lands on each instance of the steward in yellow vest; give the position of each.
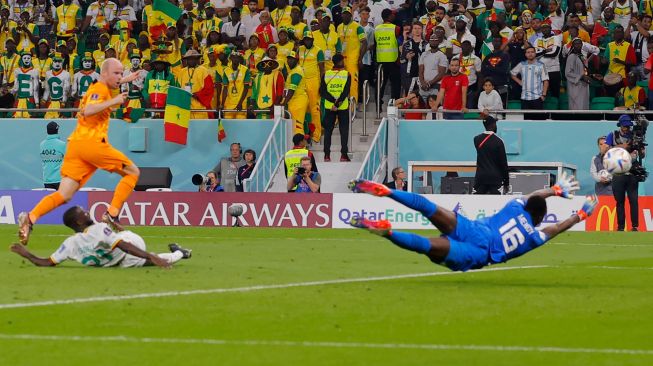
(387, 52)
(335, 93)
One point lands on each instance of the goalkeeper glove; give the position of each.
(565, 186)
(588, 207)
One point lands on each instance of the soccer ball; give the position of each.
(605, 175)
(617, 161)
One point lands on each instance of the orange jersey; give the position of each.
(94, 127)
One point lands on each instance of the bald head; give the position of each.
(111, 72)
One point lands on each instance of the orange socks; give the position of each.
(124, 188)
(47, 204)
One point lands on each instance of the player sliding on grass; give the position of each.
(96, 245)
(467, 244)
(88, 150)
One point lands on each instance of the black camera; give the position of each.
(199, 179)
(301, 170)
(640, 125)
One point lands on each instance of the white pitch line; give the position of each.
(245, 289)
(317, 344)
(345, 240)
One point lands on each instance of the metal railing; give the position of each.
(352, 116)
(374, 164)
(379, 82)
(549, 113)
(146, 110)
(269, 159)
(366, 99)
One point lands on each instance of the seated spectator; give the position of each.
(245, 171)
(227, 169)
(631, 96)
(303, 179)
(489, 100)
(398, 179)
(411, 101)
(212, 185)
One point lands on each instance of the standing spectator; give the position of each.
(156, 84)
(623, 184)
(638, 33)
(354, 45)
(227, 169)
(534, 81)
(387, 53)
(470, 65)
(245, 171)
(327, 39)
(52, 152)
(295, 97)
(236, 82)
(578, 82)
(432, 67)
(304, 179)
(548, 47)
(67, 20)
(265, 31)
(411, 51)
(496, 66)
(455, 41)
(619, 54)
(489, 101)
(602, 185)
(234, 32)
(647, 70)
(398, 179)
(623, 11)
(366, 71)
(453, 92)
(311, 59)
(334, 90)
(491, 161)
(251, 19)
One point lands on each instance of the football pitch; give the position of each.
(329, 297)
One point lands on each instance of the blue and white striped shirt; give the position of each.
(532, 76)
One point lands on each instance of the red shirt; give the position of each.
(649, 67)
(453, 91)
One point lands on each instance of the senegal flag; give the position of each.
(163, 14)
(177, 115)
(221, 132)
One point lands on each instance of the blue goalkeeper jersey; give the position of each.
(512, 232)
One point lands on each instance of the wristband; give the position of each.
(557, 190)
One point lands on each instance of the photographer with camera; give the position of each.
(627, 184)
(207, 183)
(303, 179)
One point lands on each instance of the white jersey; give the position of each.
(96, 246)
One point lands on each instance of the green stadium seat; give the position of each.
(472, 116)
(602, 106)
(643, 84)
(514, 104)
(551, 103)
(603, 100)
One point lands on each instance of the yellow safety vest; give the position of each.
(335, 84)
(387, 49)
(293, 159)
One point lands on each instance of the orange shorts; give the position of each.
(83, 158)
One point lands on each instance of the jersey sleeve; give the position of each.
(63, 252)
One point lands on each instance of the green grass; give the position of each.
(594, 294)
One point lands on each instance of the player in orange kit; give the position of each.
(89, 149)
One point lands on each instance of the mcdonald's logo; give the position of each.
(611, 212)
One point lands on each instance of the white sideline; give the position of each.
(279, 343)
(246, 289)
(175, 237)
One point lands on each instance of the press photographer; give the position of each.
(207, 183)
(303, 179)
(631, 139)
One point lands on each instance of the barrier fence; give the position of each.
(291, 210)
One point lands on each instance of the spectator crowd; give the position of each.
(247, 56)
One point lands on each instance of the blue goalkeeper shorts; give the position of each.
(469, 245)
